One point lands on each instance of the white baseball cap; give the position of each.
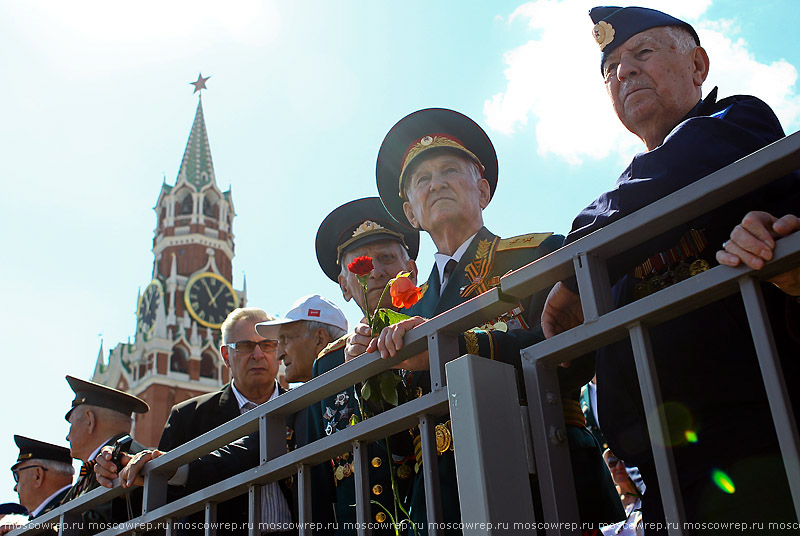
(312, 307)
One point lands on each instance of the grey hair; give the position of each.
(61, 468)
(238, 315)
(682, 38)
(334, 331)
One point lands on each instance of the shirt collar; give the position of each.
(441, 258)
(241, 400)
(38, 509)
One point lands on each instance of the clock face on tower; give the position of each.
(149, 303)
(209, 298)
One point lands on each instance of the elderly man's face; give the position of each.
(653, 85)
(298, 349)
(254, 370)
(79, 438)
(389, 259)
(28, 473)
(442, 190)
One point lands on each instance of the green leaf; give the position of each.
(366, 391)
(384, 318)
(389, 383)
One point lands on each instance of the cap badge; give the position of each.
(603, 33)
(313, 312)
(426, 140)
(367, 227)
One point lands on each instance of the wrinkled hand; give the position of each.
(106, 471)
(357, 342)
(562, 311)
(753, 241)
(390, 341)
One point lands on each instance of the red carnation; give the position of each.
(361, 265)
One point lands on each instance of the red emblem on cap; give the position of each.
(313, 312)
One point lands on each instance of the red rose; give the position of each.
(404, 293)
(361, 265)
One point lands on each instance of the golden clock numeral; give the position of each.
(195, 305)
(230, 304)
(201, 314)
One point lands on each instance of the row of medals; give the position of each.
(345, 468)
(677, 273)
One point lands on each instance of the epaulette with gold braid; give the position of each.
(531, 240)
(335, 345)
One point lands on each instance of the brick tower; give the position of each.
(174, 355)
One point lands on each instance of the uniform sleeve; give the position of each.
(170, 436)
(506, 347)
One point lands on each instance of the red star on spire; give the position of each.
(200, 84)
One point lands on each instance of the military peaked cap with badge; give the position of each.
(96, 394)
(614, 25)
(427, 132)
(33, 449)
(355, 224)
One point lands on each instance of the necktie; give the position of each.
(248, 406)
(449, 268)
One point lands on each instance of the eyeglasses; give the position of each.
(15, 471)
(248, 347)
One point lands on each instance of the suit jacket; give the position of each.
(193, 418)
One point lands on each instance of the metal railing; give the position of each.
(534, 433)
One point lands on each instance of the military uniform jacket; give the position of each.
(705, 359)
(106, 514)
(53, 503)
(333, 494)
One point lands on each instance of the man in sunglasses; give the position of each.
(253, 364)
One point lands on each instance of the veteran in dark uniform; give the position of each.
(360, 227)
(653, 68)
(99, 416)
(437, 170)
(43, 474)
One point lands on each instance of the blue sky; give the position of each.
(97, 110)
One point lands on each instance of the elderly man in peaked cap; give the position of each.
(43, 474)
(99, 416)
(359, 228)
(653, 67)
(437, 170)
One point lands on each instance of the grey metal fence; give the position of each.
(534, 436)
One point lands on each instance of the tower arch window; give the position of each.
(208, 366)
(210, 208)
(179, 361)
(185, 206)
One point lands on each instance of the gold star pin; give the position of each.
(200, 84)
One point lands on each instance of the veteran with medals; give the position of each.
(437, 170)
(355, 229)
(720, 424)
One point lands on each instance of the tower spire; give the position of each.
(197, 168)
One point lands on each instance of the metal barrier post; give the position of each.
(495, 494)
(553, 465)
(658, 429)
(777, 394)
(430, 471)
(361, 477)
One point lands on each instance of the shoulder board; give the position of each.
(335, 345)
(531, 240)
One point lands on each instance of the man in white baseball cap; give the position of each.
(311, 324)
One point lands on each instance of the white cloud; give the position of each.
(554, 83)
